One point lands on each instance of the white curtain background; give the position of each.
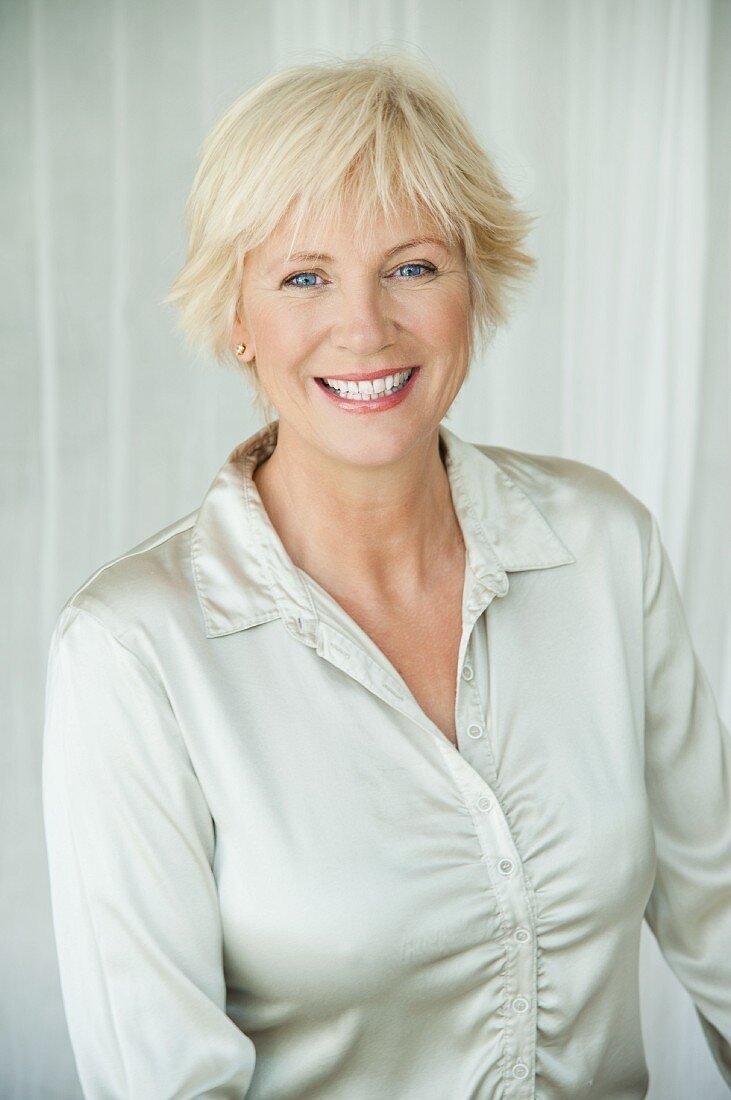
(609, 119)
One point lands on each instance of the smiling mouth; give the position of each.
(370, 390)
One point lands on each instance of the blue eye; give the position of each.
(300, 275)
(427, 267)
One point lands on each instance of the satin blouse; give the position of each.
(274, 878)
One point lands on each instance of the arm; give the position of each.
(130, 845)
(688, 777)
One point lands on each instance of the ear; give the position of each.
(240, 335)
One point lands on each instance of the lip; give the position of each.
(368, 377)
(376, 404)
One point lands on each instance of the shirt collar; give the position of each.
(244, 576)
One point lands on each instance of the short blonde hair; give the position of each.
(300, 141)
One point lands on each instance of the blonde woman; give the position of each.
(360, 779)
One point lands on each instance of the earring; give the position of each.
(240, 349)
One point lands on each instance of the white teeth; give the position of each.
(366, 391)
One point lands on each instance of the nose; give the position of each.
(363, 322)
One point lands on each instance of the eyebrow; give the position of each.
(322, 257)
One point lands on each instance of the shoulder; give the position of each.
(143, 591)
(586, 505)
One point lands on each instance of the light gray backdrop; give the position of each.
(609, 119)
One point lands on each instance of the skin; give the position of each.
(361, 502)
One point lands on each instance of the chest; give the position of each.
(422, 643)
(344, 833)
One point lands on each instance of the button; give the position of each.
(475, 730)
(520, 1004)
(505, 866)
(520, 1070)
(484, 802)
(467, 672)
(522, 935)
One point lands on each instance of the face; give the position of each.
(353, 317)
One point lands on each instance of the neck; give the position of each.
(385, 533)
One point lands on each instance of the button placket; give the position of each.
(504, 867)
(473, 727)
(496, 839)
(503, 864)
(471, 722)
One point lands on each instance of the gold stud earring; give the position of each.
(240, 349)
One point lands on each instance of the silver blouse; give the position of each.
(274, 877)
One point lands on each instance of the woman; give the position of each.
(360, 779)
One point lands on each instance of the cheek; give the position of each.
(283, 337)
(452, 322)
(445, 319)
(446, 333)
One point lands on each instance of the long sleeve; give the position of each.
(135, 908)
(688, 777)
